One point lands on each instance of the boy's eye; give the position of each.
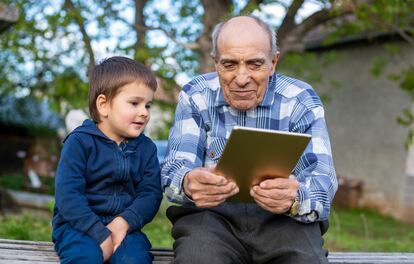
(148, 106)
(134, 103)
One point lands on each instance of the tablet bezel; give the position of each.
(252, 155)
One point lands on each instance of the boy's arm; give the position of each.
(70, 196)
(149, 197)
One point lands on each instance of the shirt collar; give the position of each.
(267, 99)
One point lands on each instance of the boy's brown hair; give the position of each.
(111, 74)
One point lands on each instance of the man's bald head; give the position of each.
(243, 26)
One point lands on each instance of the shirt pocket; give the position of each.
(215, 146)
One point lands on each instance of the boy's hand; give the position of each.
(107, 248)
(119, 227)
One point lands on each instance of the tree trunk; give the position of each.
(214, 12)
(140, 32)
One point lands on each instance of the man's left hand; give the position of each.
(275, 195)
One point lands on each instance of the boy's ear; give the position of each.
(102, 105)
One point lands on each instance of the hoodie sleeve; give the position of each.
(149, 195)
(70, 194)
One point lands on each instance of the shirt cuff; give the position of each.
(175, 191)
(134, 221)
(99, 232)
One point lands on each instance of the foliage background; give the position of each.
(46, 55)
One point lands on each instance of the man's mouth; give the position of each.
(243, 93)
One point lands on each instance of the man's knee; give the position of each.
(202, 238)
(202, 251)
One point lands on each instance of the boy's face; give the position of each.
(127, 114)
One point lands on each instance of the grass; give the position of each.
(350, 230)
(12, 180)
(25, 227)
(158, 231)
(366, 230)
(17, 181)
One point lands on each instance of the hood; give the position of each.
(89, 127)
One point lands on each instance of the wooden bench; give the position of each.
(24, 252)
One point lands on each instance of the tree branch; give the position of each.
(313, 20)
(250, 6)
(68, 4)
(288, 22)
(403, 34)
(192, 46)
(294, 39)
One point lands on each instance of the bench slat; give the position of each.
(25, 252)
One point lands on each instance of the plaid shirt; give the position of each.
(203, 122)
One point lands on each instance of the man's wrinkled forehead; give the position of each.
(243, 30)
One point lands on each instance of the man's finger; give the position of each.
(275, 194)
(279, 183)
(213, 190)
(206, 177)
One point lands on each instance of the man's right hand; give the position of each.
(107, 248)
(208, 189)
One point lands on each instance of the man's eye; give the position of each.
(229, 66)
(255, 65)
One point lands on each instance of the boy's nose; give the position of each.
(144, 112)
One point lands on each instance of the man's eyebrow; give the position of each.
(226, 60)
(253, 60)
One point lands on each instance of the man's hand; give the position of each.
(208, 189)
(119, 228)
(275, 195)
(107, 248)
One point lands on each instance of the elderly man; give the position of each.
(288, 218)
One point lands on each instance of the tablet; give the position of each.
(252, 155)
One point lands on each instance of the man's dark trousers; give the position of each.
(243, 233)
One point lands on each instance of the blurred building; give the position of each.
(367, 142)
(8, 16)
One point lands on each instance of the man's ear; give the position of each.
(275, 59)
(102, 105)
(215, 60)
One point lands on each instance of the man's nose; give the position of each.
(242, 76)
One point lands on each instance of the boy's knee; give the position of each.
(91, 256)
(134, 249)
(122, 256)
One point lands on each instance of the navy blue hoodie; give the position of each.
(97, 180)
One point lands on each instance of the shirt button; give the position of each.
(212, 154)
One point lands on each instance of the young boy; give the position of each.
(107, 181)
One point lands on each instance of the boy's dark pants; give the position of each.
(73, 246)
(243, 233)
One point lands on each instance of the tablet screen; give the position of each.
(252, 155)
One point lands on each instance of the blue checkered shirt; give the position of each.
(203, 122)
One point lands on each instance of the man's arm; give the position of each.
(183, 178)
(315, 184)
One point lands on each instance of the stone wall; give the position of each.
(367, 142)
